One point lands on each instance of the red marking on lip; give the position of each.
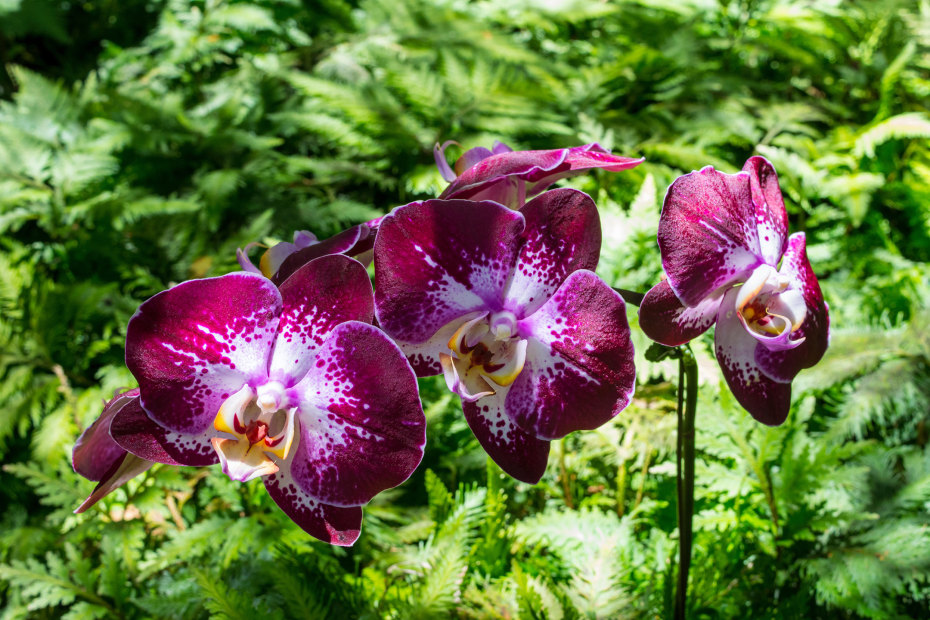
(256, 432)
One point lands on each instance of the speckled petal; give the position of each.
(351, 241)
(362, 427)
(784, 365)
(520, 454)
(707, 233)
(441, 259)
(319, 296)
(771, 217)
(134, 431)
(95, 451)
(562, 235)
(579, 370)
(439, 154)
(331, 524)
(767, 399)
(664, 319)
(193, 345)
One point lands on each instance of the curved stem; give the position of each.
(687, 408)
(630, 297)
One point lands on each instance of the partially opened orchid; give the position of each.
(729, 261)
(504, 304)
(512, 177)
(281, 260)
(98, 457)
(293, 385)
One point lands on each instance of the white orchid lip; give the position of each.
(485, 351)
(768, 308)
(260, 425)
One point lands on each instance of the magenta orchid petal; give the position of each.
(519, 453)
(771, 217)
(331, 524)
(580, 159)
(274, 256)
(439, 154)
(579, 370)
(666, 320)
(95, 451)
(767, 399)
(439, 260)
(124, 469)
(471, 157)
(562, 235)
(316, 298)
(194, 345)
(351, 241)
(138, 434)
(508, 191)
(499, 147)
(531, 171)
(362, 428)
(707, 233)
(518, 164)
(304, 238)
(815, 330)
(242, 256)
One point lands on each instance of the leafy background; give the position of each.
(142, 141)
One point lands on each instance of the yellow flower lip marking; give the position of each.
(264, 264)
(485, 351)
(259, 426)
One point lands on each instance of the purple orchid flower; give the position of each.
(280, 261)
(722, 237)
(505, 305)
(293, 385)
(512, 177)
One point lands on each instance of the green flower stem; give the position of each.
(631, 297)
(687, 408)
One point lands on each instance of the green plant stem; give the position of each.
(687, 408)
(631, 297)
(563, 476)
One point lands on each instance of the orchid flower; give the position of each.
(729, 261)
(512, 177)
(504, 304)
(281, 260)
(293, 385)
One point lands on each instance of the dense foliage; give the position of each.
(142, 141)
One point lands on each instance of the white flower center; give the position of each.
(484, 351)
(260, 425)
(768, 307)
